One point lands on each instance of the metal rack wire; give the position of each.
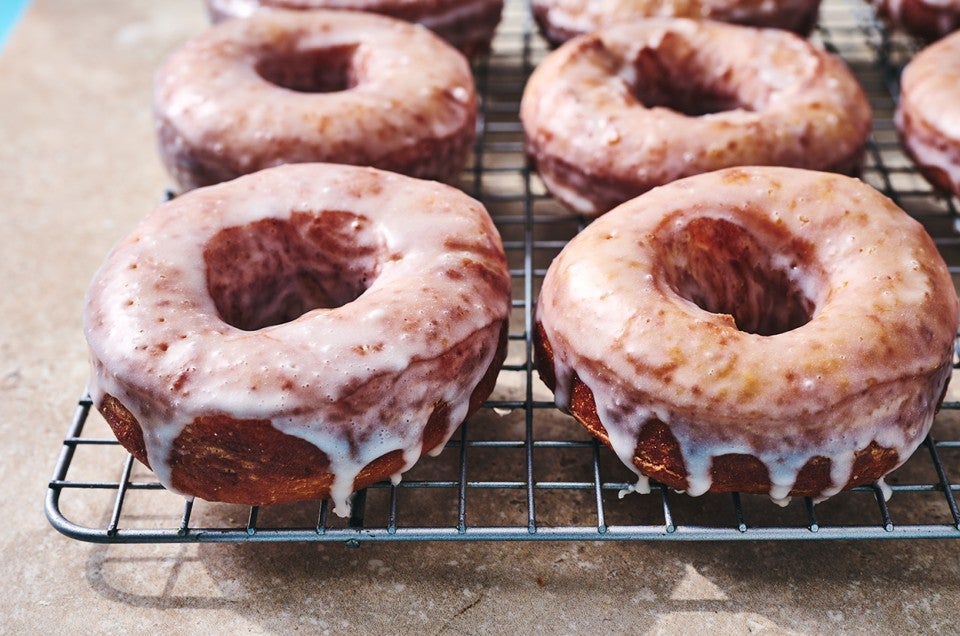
(519, 469)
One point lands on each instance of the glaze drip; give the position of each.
(348, 307)
(764, 320)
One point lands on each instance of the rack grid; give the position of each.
(519, 469)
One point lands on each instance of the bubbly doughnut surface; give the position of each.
(928, 113)
(296, 87)
(469, 25)
(609, 115)
(766, 330)
(272, 338)
(561, 20)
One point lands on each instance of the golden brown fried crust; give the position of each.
(658, 455)
(250, 462)
(125, 427)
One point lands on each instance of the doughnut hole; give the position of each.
(724, 269)
(274, 270)
(674, 76)
(324, 70)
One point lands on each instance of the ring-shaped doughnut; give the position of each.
(612, 114)
(928, 113)
(766, 330)
(298, 333)
(295, 87)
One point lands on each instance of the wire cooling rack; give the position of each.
(519, 469)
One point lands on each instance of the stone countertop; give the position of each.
(78, 168)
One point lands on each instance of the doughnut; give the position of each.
(928, 113)
(758, 329)
(319, 86)
(609, 115)
(298, 333)
(561, 20)
(925, 19)
(468, 25)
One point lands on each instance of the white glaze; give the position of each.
(467, 24)
(576, 17)
(928, 113)
(411, 99)
(425, 230)
(885, 489)
(797, 106)
(868, 367)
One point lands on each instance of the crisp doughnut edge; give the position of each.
(554, 35)
(935, 175)
(595, 194)
(197, 165)
(215, 461)
(657, 454)
(922, 131)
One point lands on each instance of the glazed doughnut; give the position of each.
(925, 19)
(561, 20)
(468, 25)
(609, 115)
(928, 113)
(761, 330)
(298, 333)
(295, 87)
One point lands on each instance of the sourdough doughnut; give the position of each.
(925, 19)
(468, 25)
(561, 20)
(928, 113)
(295, 87)
(612, 114)
(761, 330)
(298, 333)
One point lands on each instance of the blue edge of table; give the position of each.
(10, 12)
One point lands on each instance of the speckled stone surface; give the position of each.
(78, 168)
